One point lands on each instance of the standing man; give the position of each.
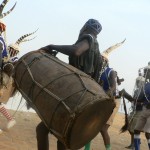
(85, 56)
(143, 122)
(136, 106)
(108, 81)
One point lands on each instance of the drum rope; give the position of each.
(38, 84)
(31, 90)
(50, 83)
(33, 106)
(53, 95)
(60, 100)
(80, 99)
(136, 100)
(65, 65)
(28, 69)
(18, 107)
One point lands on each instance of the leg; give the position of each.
(42, 137)
(5, 113)
(87, 146)
(105, 135)
(147, 135)
(132, 122)
(60, 146)
(140, 125)
(132, 141)
(147, 130)
(137, 140)
(104, 131)
(11, 121)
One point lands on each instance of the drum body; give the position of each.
(71, 104)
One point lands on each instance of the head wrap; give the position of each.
(92, 24)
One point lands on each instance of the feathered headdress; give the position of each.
(22, 39)
(3, 4)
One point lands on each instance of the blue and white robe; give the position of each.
(4, 49)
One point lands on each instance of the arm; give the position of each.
(126, 95)
(112, 84)
(112, 81)
(76, 49)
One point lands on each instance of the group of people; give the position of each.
(84, 55)
(140, 114)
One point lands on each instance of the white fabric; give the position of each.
(140, 78)
(1, 105)
(105, 56)
(13, 59)
(109, 72)
(15, 46)
(1, 21)
(1, 131)
(117, 90)
(10, 124)
(137, 136)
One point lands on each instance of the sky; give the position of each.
(60, 21)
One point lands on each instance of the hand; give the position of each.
(54, 53)
(41, 50)
(47, 49)
(119, 80)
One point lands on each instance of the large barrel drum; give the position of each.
(71, 104)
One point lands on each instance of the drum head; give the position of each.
(89, 123)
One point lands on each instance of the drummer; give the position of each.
(84, 55)
(108, 80)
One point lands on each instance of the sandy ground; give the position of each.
(22, 136)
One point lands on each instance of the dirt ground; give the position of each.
(23, 137)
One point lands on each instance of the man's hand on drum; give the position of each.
(49, 49)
